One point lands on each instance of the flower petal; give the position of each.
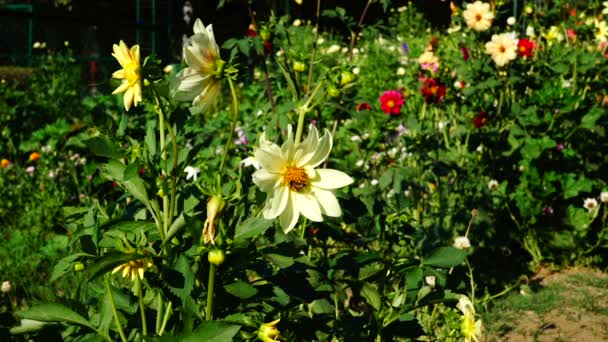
(289, 216)
(128, 98)
(307, 148)
(122, 87)
(331, 179)
(269, 157)
(322, 151)
(276, 203)
(119, 74)
(328, 202)
(265, 180)
(198, 27)
(307, 205)
(287, 149)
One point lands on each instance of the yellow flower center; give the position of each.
(502, 49)
(390, 103)
(132, 72)
(295, 178)
(478, 17)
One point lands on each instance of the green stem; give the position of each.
(471, 279)
(302, 113)
(114, 311)
(163, 157)
(165, 319)
(314, 47)
(159, 312)
(141, 307)
(210, 286)
(235, 117)
(174, 177)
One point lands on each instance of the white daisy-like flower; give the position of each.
(604, 197)
(428, 58)
(605, 4)
(478, 16)
(462, 242)
(511, 21)
(200, 81)
(502, 48)
(493, 184)
(192, 172)
(293, 185)
(601, 30)
(590, 204)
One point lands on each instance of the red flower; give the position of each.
(364, 105)
(432, 90)
(480, 120)
(465, 53)
(251, 31)
(267, 46)
(391, 102)
(525, 47)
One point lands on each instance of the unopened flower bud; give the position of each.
(216, 257)
(346, 78)
(299, 66)
(265, 34)
(333, 91)
(79, 266)
(268, 332)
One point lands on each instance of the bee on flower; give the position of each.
(293, 184)
(478, 16)
(130, 74)
(199, 82)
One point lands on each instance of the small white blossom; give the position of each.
(604, 197)
(355, 138)
(333, 49)
(462, 242)
(511, 21)
(493, 184)
(400, 71)
(530, 32)
(192, 172)
(6, 286)
(374, 182)
(590, 204)
(356, 70)
(430, 281)
(297, 22)
(359, 163)
(30, 170)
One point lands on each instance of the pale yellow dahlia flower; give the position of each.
(478, 16)
(134, 268)
(200, 81)
(470, 328)
(129, 74)
(502, 48)
(288, 175)
(601, 30)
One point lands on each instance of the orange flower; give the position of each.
(5, 162)
(34, 156)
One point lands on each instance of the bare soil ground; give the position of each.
(569, 305)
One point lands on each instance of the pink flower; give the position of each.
(391, 102)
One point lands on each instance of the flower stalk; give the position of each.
(123, 338)
(210, 289)
(140, 297)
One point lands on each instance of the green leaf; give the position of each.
(371, 295)
(104, 147)
(241, 289)
(105, 314)
(150, 140)
(53, 312)
(122, 125)
(588, 121)
(214, 331)
(66, 265)
(251, 228)
(181, 278)
(572, 187)
(321, 306)
(134, 186)
(279, 260)
(445, 257)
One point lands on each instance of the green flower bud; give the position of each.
(333, 91)
(216, 257)
(299, 66)
(265, 34)
(79, 266)
(346, 78)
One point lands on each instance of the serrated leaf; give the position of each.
(279, 260)
(241, 290)
(181, 278)
(251, 228)
(53, 312)
(371, 295)
(104, 147)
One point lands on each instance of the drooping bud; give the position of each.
(214, 208)
(346, 78)
(268, 332)
(79, 266)
(299, 66)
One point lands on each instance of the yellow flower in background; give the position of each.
(502, 48)
(601, 30)
(268, 332)
(288, 175)
(478, 16)
(130, 74)
(134, 268)
(200, 81)
(471, 330)
(554, 34)
(5, 162)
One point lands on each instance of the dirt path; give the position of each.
(571, 305)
